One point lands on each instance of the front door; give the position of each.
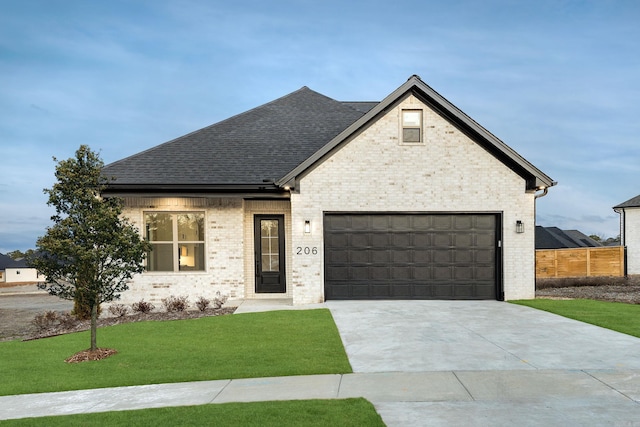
(269, 253)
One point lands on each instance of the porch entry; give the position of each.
(269, 253)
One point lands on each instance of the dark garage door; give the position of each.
(410, 256)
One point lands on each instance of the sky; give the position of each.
(556, 80)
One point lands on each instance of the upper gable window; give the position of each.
(412, 126)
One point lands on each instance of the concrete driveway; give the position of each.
(491, 363)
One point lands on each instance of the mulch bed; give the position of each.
(85, 325)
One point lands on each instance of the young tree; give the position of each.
(91, 250)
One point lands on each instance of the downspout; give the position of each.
(623, 231)
(544, 189)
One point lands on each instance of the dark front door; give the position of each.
(269, 247)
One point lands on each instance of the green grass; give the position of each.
(617, 316)
(252, 345)
(346, 413)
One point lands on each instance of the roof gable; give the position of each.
(415, 86)
(251, 148)
(631, 203)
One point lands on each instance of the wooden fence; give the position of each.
(580, 262)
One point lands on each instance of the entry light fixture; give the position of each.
(307, 226)
(519, 226)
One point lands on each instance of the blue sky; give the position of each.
(558, 81)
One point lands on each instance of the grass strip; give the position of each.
(252, 345)
(616, 316)
(344, 412)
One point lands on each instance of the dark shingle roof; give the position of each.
(8, 262)
(631, 203)
(263, 143)
(555, 238)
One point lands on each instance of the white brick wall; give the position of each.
(224, 257)
(449, 173)
(632, 239)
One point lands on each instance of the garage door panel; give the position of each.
(405, 256)
(359, 256)
(442, 240)
(442, 222)
(401, 239)
(337, 240)
(380, 240)
(401, 256)
(422, 240)
(380, 256)
(442, 273)
(360, 222)
(463, 272)
(402, 290)
(422, 274)
(378, 222)
(400, 273)
(359, 240)
(442, 256)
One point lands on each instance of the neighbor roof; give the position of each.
(8, 262)
(631, 203)
(271, 146)
(555, 238)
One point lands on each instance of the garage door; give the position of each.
(410, 256)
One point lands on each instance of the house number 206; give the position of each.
(306, 250)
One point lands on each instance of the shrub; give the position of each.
(50, 320)
(46, 320)
(142, 306)
(118, 310)
(174, 303)
(67, 320)
(202, 303)
(219, 300)
(566, 282)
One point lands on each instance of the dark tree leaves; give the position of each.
(91, 251)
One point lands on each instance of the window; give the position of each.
(412, 126)
(177, 241)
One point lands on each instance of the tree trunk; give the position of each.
(94, 325)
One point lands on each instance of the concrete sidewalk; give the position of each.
(550, 397)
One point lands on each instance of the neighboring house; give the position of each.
(309, 198)
(555, 238)
(15, 271)
(630, 232)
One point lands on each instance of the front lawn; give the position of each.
(346, 412)
(252, 345)
(617, 316)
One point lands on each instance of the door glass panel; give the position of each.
(269, 245)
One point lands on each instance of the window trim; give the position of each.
(176, 243)
(403, 126)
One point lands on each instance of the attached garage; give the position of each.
(412, 256)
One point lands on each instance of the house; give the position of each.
(17, 271)
(308, 198)
(555, 238)
(630, 232)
